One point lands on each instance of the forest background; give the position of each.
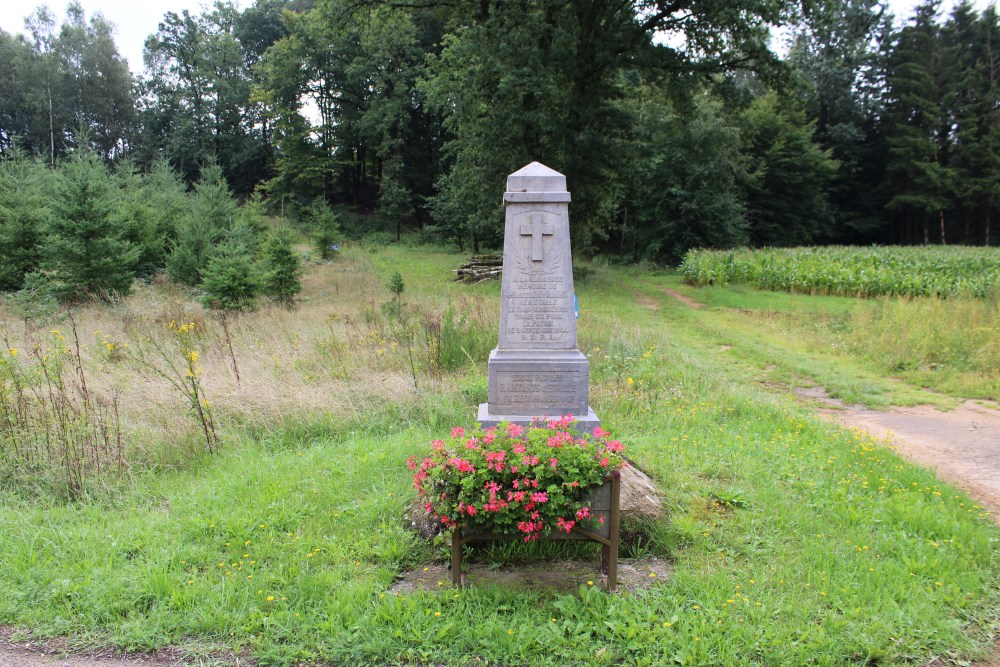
(676, 125)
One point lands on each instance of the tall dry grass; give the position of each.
(957, 340)
(335, 357)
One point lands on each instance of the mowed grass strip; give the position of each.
(853, 271)
(791, 541)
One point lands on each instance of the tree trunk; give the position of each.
(52, 134)
(927, 230)
(941, 219)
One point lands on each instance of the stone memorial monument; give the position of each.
(536, 369)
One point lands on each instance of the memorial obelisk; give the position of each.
(537, 369)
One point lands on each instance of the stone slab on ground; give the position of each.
(563, 576)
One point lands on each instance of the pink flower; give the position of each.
(565, 525)
(540, 497)
(605, 463)
(614, 446)
(582, 513)
(600, 519)
(562, 422)
(462, 465)
(553, 462)
(519, 448)
(513, 469)
(489, 437)
(601, 433)
(471, 444)
(514, 430)
(471, 510)
(438, 444)
(457, 432)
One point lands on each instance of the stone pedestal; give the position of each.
(537, 370)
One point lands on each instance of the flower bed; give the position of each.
(517, 482)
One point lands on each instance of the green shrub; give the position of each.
(325, 226)
(86, 251)
(210, 214)
(23, 216)
(231, 280)
(281, 267)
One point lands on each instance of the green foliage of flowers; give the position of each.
(515, 481)
(872, 271)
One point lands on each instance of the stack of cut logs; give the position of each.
(480, 268)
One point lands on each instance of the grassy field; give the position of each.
(874, 271)
(791, 541)
(859, 349)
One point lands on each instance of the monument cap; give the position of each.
(536, 177)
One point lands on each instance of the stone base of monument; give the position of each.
(585, 424)
(525, 385)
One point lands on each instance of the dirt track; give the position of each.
(962, 445)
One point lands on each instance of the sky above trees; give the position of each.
(134, 21)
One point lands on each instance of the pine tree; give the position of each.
(919, 179)
(975, 54)
(211, 213)
(23, 214)
(86, 251)
(231, 279)
(838, 62)
(281, 267)
(325, 227)
(787, 205)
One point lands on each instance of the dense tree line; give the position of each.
(675, 123)
(81, 230)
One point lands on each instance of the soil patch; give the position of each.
(556, 577)
(962, 445)
(19, 650)
(648, 302)
(686, 300)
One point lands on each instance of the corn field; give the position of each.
(942, 271)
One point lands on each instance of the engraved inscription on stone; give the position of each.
(538, 388)
(539, 295)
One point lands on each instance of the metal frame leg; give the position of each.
(456, 558)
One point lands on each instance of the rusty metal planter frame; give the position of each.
(609, 543)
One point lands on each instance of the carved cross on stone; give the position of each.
(535, 229)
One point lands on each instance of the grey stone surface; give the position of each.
(585, 423)
(536, 369)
